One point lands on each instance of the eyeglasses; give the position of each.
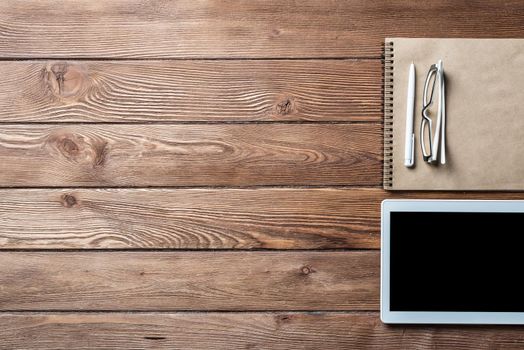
(430, 144)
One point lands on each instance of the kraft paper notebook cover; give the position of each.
(484, 113)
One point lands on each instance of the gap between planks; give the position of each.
(196, 59)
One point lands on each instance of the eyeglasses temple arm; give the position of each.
(443, 144)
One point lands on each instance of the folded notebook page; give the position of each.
(485, 114)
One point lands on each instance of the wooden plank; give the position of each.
(191, 155)
(210, 280)
(268, 218)
(269, 330)
(271, 218)
(236, 28)
(138, 91)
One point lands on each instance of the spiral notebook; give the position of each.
(484, 113)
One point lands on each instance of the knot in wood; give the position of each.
(68, 200)
(78, 148)
(285, 106)
(276, 32)
(306, 270)
(68, 147)
(66, 81)
(281, 320)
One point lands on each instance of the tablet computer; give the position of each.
(452, 261)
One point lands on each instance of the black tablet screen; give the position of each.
(457, 262)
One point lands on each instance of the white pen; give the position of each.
(409, 156)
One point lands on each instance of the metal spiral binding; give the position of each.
(388, 115)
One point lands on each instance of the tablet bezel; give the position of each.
(431, 317)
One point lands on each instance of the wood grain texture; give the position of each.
(187, 155)
(189, 218)
(138, 91)
(268, 218)
(106, 89)
(270, 330)
(236, 28)
(189, 280)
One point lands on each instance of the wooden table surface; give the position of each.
(207, 174)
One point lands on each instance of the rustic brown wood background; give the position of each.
(206, 174)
